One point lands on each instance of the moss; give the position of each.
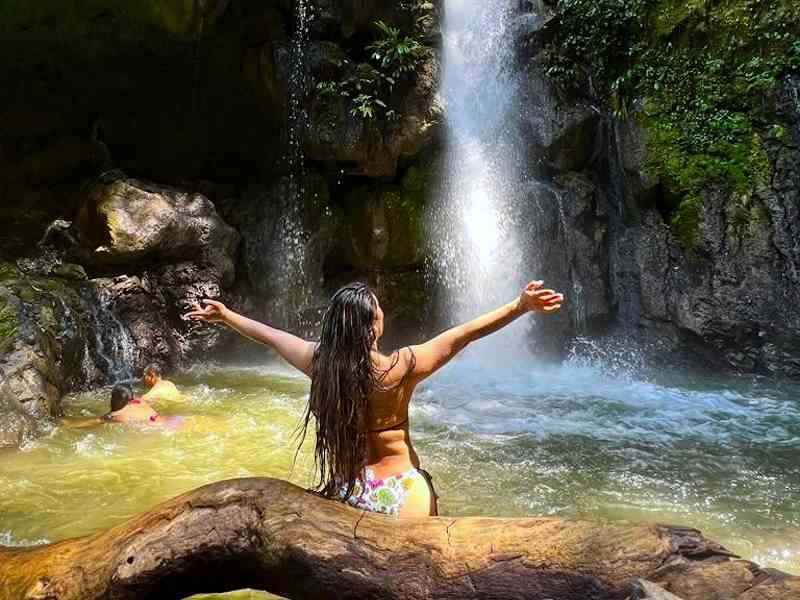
(8, 273)
(413, 179)
(685, 222)
(703, 69)
(759, 167)
(746, 215)
(9, 326)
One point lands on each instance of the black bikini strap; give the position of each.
(395, 426)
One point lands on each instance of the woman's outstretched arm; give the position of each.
(435, 353)
(296, 351)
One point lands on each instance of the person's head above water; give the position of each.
(120, 396)
(152, 374)
(342, 379)
(353, 318)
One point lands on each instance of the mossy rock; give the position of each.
(386, 222)
(9, 325)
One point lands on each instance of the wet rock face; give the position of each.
(560, 134)
(733, 298)
(177, 246)
(44, 348)
(374, 233)
(729, 303)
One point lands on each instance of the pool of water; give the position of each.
(574, 441)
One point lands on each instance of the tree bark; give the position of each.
(271, 535)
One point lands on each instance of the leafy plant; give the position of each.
(368, 87)
(397, 54)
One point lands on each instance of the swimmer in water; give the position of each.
(159, 389)
(125, 408)
(359, 400)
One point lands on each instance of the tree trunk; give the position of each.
(271, 535)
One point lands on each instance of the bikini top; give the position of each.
(153, 418)
(395, 426)
(411, 365)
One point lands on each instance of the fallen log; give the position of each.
(271, 535)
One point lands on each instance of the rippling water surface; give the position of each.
(721, 455)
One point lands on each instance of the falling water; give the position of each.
(479, 253)
(792, 86)
(287, 243)
(297, 88)
(115, 351)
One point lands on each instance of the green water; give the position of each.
(569, 442)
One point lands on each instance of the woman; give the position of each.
(359, 397)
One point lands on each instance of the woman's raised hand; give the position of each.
(212, 312)
(536, 299)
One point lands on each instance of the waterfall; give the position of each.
(480, 258)
(289, 245)
(115, 351)
(792, 87)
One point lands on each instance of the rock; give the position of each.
(631, 142)
(645, 590)
(372, 147)
(273, 532)
(16, 425)
(126, 221)
(285, 243)
(567, 223)
(563, 133)
(700, 301)
(385, 225)
(44, 334)
(188, 253)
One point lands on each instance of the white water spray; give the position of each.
(479, 258)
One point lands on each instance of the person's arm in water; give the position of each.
(296, 351)
(434, 354)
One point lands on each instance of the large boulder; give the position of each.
(44, 347)
(126, 221)
(179, 248)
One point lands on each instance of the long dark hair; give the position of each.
(342, 378)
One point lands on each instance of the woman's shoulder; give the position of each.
(398, 359)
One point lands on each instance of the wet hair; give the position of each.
(120, 396)
(343, 377)
(154, 370)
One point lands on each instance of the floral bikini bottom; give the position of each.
(386, 495)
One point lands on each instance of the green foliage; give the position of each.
(368, 87)
(396, 54)
(9, 326)
(703, 69)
